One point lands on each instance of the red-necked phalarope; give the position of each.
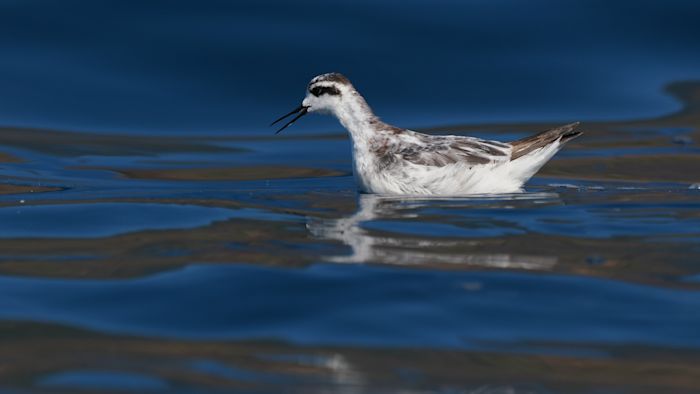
(395, 161)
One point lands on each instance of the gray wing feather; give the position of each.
(439, 151)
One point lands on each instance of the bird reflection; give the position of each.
(386, 247)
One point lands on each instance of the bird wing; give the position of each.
(563, 134)
(439, 151)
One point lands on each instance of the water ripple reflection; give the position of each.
(369, 246)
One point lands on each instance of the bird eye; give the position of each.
(320, 90)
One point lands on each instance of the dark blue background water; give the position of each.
(230, 67)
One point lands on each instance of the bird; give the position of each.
(393, 161)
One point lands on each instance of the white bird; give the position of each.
(390, 160)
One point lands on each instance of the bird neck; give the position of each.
(357, 117)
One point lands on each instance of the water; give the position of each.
(156, 236)
(223, 67)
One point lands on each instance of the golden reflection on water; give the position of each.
(31, 353)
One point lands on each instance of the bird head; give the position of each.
(324, 94)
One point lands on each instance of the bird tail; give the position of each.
(560, 134)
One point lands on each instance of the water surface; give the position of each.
(156, 236)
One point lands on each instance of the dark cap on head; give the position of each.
(332, 77)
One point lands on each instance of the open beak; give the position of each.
(302, 110)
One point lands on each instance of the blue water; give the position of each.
(102, 220)
(364, 307)
(156, 236)
(231, 67)
(99, 380)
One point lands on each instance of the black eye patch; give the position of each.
(320, 90)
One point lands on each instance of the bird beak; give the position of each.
(302, 110)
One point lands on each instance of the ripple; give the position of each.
(363, 305)
(102, 219)
(105, 380)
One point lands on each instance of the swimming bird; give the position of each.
(389, 160)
